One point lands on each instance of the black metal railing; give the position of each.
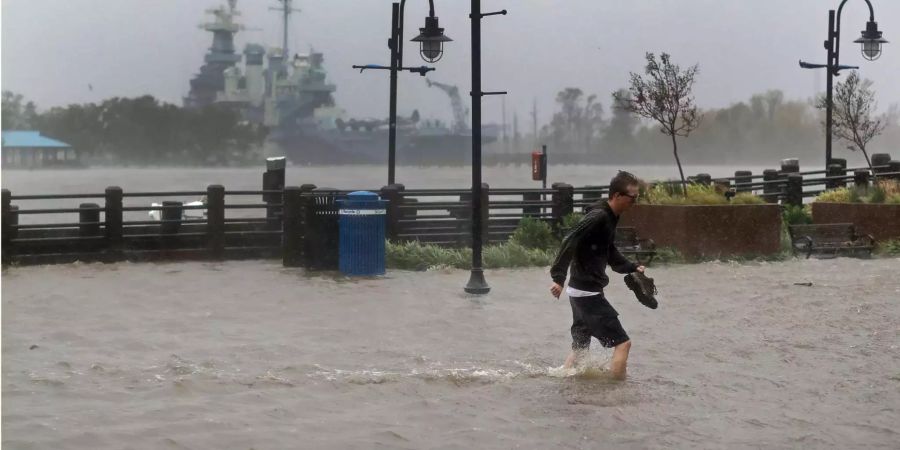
(300, 224)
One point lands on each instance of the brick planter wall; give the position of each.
(880, 220)
(713, 230)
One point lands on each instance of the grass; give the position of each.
(884, 191)
(421, 257)
(416, 256)
(697, 194)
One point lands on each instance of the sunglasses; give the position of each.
(633, 197)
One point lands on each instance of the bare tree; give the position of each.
(664, 95)
(852, 121)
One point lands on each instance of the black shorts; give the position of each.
(594, 316)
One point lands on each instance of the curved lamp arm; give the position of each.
(837, 33)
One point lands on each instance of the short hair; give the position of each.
(619, 184)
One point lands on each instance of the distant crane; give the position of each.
(459, 112)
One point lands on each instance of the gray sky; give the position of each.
(53, 49)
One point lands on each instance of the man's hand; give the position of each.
(556, 290)
(640, 269)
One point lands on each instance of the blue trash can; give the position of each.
(361, 224)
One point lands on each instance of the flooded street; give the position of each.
(249, 354)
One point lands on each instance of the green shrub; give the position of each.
(839, 195)
(668, 255)
(877, 195)
(534, 233)
(884, 191)
(796, 215)
(417, 256)
(891, 189)
(661, 194)
(697, 194)
(569, 222)
(512, 254)
(889, 248)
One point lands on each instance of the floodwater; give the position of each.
(249, 354)
(95, 180)
(131, 180)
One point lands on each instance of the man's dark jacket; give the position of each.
(590, 248)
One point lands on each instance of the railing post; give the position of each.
(794, 191)
(723, 187)
(894, 167)
(880, 159)
(7, 226)
(563, 201)
(464, 224)
(88, 219)
(834, 170)
(307, 218)
(292, 235)
(743, 177)
(592, 196)
(215, 221)
(531, 210)
(485, 214)
(861, 178)
(391, 193)
(170, 218)
(770, 189)
(273, 180)
(790, 165)
(113, 219)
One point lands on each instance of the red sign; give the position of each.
(537, 169)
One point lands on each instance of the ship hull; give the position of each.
(326, 147)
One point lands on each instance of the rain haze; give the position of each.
(188, 263)
(53, 50)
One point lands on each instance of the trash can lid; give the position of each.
(362, 195)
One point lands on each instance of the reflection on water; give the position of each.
(249, 354)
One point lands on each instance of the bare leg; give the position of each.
(573, 358)
(619, 360)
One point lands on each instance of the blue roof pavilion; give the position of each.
(29, 149)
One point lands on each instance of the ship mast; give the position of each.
(286, 9)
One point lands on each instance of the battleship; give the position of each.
(291, 97)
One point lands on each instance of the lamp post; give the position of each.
(870, 42)
(477, 283)
(431, 40)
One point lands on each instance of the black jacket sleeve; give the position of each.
(618, 262)
(567, 249)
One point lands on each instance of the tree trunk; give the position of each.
(871, 169)
(680, 171)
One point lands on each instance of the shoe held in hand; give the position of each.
(643, 287)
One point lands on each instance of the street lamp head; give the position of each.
(871, 41)
(431, 40)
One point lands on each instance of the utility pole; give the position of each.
(534, 123)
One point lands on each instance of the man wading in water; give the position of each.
(590, 248)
